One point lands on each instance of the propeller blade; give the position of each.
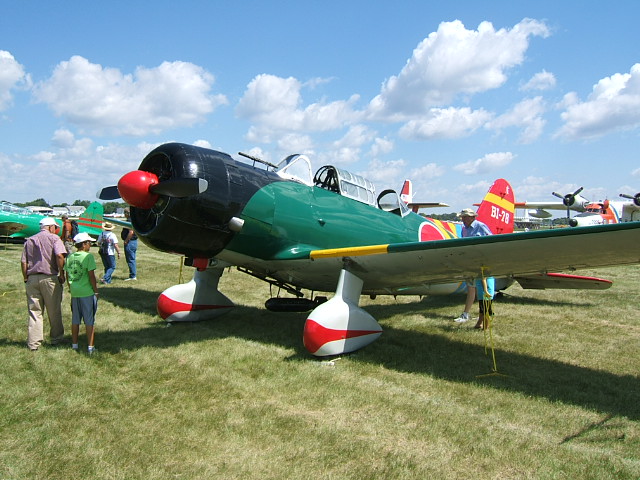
(578, 191)
(635, 198)
(556, 194)
(180, 187)
(109, 193)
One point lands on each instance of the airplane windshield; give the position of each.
(296, 167)
(389, 201)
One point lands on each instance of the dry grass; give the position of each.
(239, 397)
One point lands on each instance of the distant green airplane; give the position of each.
(18, 222)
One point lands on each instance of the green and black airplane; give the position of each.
(331, 232)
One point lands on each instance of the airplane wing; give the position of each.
(117, 221)
(542, 205)
(415, 206)
(9, 228)
(394, 267)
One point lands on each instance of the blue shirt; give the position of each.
(491, 288)
(476, 229)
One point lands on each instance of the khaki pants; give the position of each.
(44, 292)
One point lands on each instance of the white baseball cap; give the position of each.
(46, 221)
(83, 237)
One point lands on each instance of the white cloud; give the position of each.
(381, 146)
(77, 167)
(540, 81)
(486, 164)
(202, 143)
(347, 149)
(295, 143)
(105, 101)
(12, 76)
(445, 123)
(454, 61)
(526, 115)
(274, 104)
(613, 105)
(427, 172)
(388, 174)
(636, 172)
(539, 189)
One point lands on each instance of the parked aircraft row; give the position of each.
(332, 232)
(590, 213)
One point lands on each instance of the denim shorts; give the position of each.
(84, 308)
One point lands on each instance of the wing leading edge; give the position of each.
(397, 266)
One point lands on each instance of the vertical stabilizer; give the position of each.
(497, 208)
(91, 220)
(406, 194)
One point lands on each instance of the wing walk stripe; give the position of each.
(345, 252)
(499, 201)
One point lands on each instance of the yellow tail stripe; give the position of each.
(345, 252)
(501, 202)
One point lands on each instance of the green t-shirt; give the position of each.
(78, 265)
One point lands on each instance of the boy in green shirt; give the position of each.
(81, 279)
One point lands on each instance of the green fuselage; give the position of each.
(284, 219)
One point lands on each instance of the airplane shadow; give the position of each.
(401, 350)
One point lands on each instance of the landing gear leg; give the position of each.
(340, 325)
(196, 300)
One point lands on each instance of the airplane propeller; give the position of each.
(142, 189)
(635, 198)
(570, 198)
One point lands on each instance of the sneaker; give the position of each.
(464, 317)
(132, 278)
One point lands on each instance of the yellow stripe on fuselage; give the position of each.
(501, 202)
(345, 252)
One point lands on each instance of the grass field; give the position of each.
(239, 397)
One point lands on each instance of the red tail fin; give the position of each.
(497, 208)
(406, 194)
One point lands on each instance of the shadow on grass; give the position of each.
(401, 350)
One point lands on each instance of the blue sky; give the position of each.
(545, 94)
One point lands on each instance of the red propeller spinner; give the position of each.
(136, 189)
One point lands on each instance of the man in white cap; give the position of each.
(471, 228)
(42, 269)
(80, 267)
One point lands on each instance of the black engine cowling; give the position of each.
(197, 225)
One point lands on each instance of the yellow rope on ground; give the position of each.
(488, 332)
(180, 269)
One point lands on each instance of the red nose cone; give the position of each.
(134, 189)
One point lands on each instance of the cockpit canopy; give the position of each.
(342, 182)
(346, 184)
